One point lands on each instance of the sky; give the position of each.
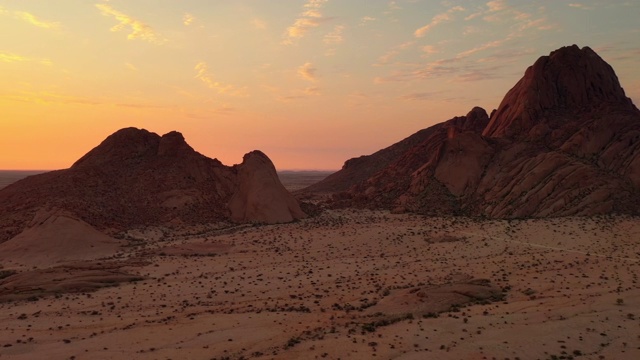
(311, 83)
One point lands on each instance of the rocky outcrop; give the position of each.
(568, 81)
(260, 196)
(565, 140)
(138, 178)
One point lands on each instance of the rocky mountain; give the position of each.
(564, 141)
(136, 178)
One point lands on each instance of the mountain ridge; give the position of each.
(564, 141)
(138, 178)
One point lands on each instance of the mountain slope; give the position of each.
(135, 178)
(564, 141)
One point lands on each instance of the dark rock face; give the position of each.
(564, 141)
(568, 81)
(135, 178)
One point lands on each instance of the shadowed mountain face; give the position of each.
(135, 178)
(564, 141)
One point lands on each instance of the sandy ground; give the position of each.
(350, 285)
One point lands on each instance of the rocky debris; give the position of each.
(564, 141)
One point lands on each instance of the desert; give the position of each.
(355, 284)
(322, 180)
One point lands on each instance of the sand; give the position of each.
(56, 237)
(351, 284)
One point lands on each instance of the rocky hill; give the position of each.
(137, 178)
(564, 141)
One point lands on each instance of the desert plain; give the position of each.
(344, 284)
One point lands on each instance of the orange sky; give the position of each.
(311, 83)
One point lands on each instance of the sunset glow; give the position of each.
(310, 83)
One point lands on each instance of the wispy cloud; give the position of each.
(139, 30)
(335, 36)
(187, 19)
(482, 47)
(497, 11)
(367, 19)
(131, 66)
(29, 18)
(210, 113)
(436, 20)
(466, 65)
(418, 96)
(309, 19)
(49, 97)
(393, 5)
(429, 50)
(507, 55)
(307, 72)
(13, 58)
(390, 55)
(461, 67)
(259, 24)
(580, 6)
(202, 73)
(33, 20)
(301, 94)
(143, 106)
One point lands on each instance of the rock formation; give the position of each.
(138, 178)
(260, 196)
(564, 141)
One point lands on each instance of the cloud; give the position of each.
(506, 55)
(139, 30)
(482, 47)
(497, 5)
(393, 5)
(259, 24)
(580, 6)
(187, 19)
(207, 78)
(211, 112)
(468, 30)
(497, 11)
(143, 106)
(301, 94)
(418, 96)
(307, 72)
(430, 49)
(12, 58)
(335, 36)
(309, 19)
(475, 75)
(366, 20)
(436, 20)
(332, 39)
(131, 66)
(386, 58)
(31, 19)
(47, 97)
(313, 90)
